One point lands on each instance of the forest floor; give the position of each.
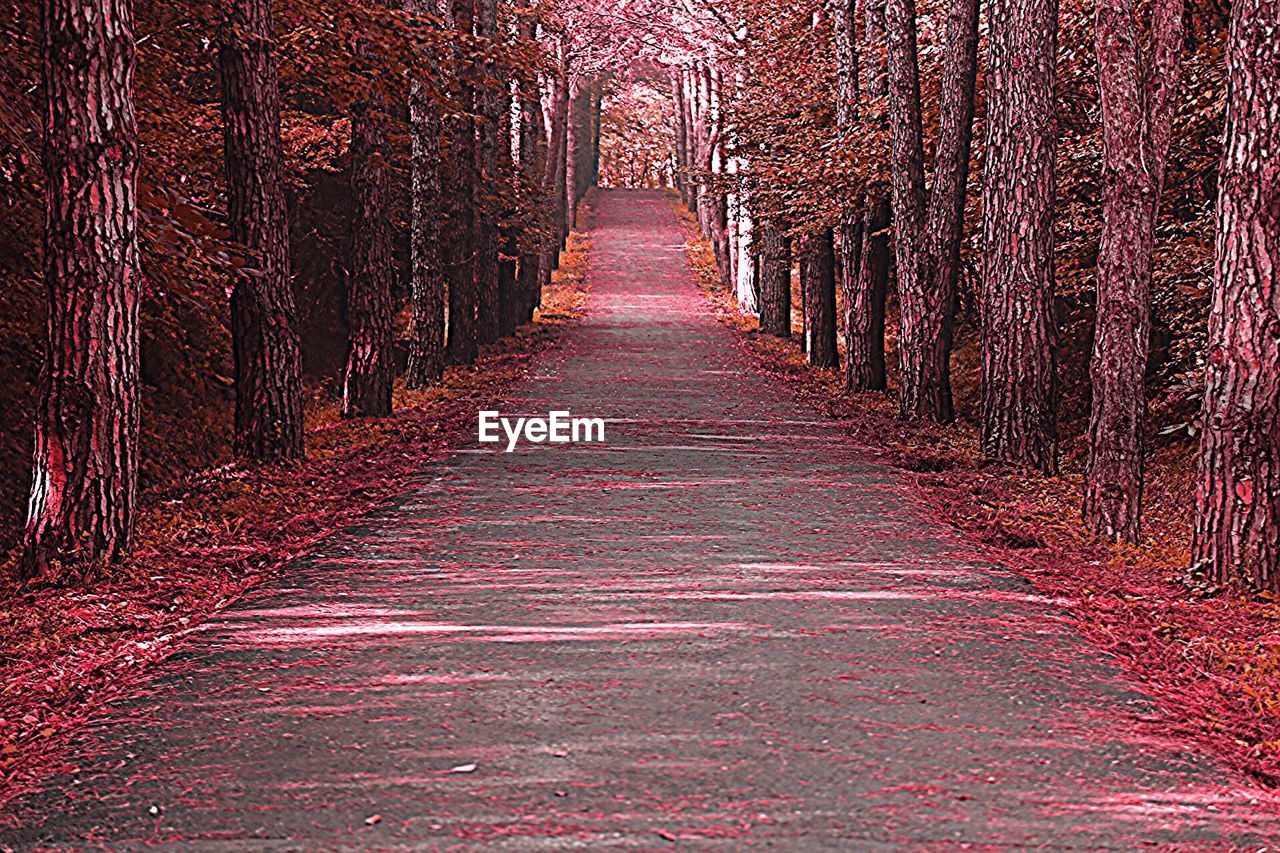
(731, 622)
(70, 648)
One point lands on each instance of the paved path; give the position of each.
(723, 626)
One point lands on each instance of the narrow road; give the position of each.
(722, 626)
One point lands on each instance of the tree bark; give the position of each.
(820, 300)
(533, 162)
(1019, 336)
(1237, 527)
(868, 280)
(1137, 116)
(682, 136)
(845, 44)
(718, 199)
(775, 281)
(511, 302)
(460, 180)
(84, 482)
(571, 160)
(928, 240)
(864, 356)
(370, 370)
(268, 423)
(489, 103)
(427, 280)
(875, 69)
(554, 181)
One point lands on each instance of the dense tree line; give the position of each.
(1036, 224)
(808, 125)
(465, 127)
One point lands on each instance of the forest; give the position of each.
(260, 255)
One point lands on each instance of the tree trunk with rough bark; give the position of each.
(1019, 385)
(461, 189)
(928, 239)
(1137, 117)
(682, 136)
(1237, 527)
(820, 300)
(370, 370)
(510, 301)
(533, 162)
(490, 108)
(775, 281)
(85, 470)
(554, 180)
(845, 42)
(268, 422)
(571, 159)
(864, 357)
(427, 280)
(868, 280)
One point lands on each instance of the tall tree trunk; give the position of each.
(1137, 116)
(85, 474)
(460, 180)
(597, 121)
(489, 103)
(928, 240)
(370, 371)
(845, 41)
(864, 357)
(533, 163)
(1019, 386)
(944, 223)
(268, 363)
(554, 182)
(775, 281)
(427, 280)
(510, 299)
(682, 136)
(820, 300)
(572, 157)
(718, 199)
(1237, 527)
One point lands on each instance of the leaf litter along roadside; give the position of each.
(1211, 662)
(67, 651)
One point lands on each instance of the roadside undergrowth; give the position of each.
(1211, 659)
(67, 651)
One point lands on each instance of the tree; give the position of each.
(845, 43)
(491, 104)
(1237, 527)
(1018, 329)
(533, 166)
(867, 281)
(865, 302)
(268, 424)
(370, 371)
(1137, 117)
(683, 154)
(460, 179)
(84, 484)
(556, 162)
(775, 281)
(427, 282)
(927, 239)
(820, 299)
